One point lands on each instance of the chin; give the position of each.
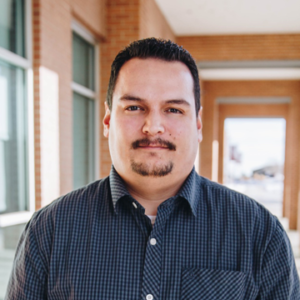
(150, 170)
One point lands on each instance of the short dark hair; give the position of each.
(153, 48)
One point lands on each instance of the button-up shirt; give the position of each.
(208, 242)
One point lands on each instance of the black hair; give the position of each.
(153, 48)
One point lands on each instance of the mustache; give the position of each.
(146, 142)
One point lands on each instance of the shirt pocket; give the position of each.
(208, 284)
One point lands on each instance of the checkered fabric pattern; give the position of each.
(208, 242)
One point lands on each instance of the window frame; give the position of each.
(84, 33)
(20, 217)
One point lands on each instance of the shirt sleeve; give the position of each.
(280, 278)
(28, 276)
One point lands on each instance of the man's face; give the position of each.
(152, 128)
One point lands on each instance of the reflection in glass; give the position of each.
(83, 140)
(13, 140)
(12, 26)
(83, 62)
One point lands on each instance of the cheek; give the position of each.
(184, 136)
(125, 132)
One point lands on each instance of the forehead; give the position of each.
(155, 78)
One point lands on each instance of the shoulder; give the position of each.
(72, 207)
(236, 208)
(68, 217)
(220, 195)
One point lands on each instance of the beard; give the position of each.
(146, 169)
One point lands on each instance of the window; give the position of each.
(13, 141)
(84, 107)
(12, 29)
(15, 68)
(16, 129)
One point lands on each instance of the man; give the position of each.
(154, 229)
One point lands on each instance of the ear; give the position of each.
(199, 125)
(106, 121)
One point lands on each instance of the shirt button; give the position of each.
(152, 242)
(135, 206)
(149, 297)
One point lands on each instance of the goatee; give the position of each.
(145, 169)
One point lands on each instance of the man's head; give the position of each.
(150, 118)
(154, 48)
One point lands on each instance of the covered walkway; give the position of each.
(248, 55)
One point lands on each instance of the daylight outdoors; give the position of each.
(55, 64)
(254, 159)
(254, 156)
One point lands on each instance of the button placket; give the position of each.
(152, 267)
(153, 256)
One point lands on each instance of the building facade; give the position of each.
(55, 58)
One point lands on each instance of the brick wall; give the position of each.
(122, 28)
(242, 47)
(56, 55)
(119, 22)
(153, 22)
(91, 14)
(52, 41)
(36, 16)
(52, 51)
(115, 23)
(126, 21)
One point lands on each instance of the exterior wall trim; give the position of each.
(83, 90)
(15, 218)
(253, 100)
(14, 59)
(75, 87)
(246, 64)
(83, 32)
(250, 74)
(249, 70)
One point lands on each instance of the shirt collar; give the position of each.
(190, 190)
(117, 187)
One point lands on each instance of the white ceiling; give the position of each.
(209, 17)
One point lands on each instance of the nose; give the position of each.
(153, 124)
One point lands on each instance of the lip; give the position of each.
(157, 144)
(153, 147)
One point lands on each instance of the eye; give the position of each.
(174, 111)
(133, 108)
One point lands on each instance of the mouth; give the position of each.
(158, 144)
(153, 147)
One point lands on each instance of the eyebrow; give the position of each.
(127, 97)
(178, 101)
(131, 98)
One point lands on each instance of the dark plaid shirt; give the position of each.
(208, 242)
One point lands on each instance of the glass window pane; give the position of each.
(12, 26)
(83, 62)
(83, 140)
(13, 139)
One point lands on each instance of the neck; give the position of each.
(150, 192)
